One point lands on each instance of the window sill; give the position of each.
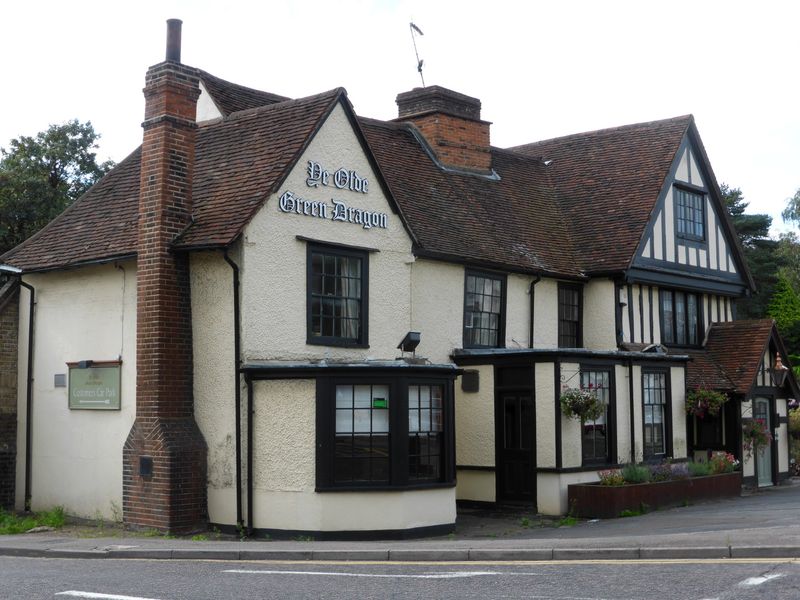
(336, 343)
(386, 487)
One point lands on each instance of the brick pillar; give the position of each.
(164, 476)
(9, 332)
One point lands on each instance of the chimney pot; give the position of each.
(174, 40)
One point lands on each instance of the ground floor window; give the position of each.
(655, 414)
(596, 434)
(388, 432)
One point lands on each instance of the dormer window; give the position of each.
(690, 214)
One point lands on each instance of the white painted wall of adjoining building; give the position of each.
(782, 436)
(215, 379)
(598, 315)
(545, 415)
(478, 486)
(552, 490)
(475, 443)
(622, 424)
(680, 446)
(748, 463)
(81, 314)
(206, 109)
(437, 308)
(274, 261)
(545, 331)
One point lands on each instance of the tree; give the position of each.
(759, 250)
(784, 306)
(792, 211)
(40, 176)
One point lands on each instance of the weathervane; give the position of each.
(414, 29)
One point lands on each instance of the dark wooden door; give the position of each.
(516, 478)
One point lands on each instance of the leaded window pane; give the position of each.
(483, 303)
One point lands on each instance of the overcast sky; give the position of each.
(541, 68)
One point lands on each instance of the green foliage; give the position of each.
(633, 473)
(701, 402)
(760, 252)
(794, 420)
(698, 469)
(567, 521)
(11, 524)
(784, 306)
(581, 404)
(792, 211)
(40, 176)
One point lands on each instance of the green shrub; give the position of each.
(633, 473)
(697, 469)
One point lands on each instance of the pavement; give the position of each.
(761, 524)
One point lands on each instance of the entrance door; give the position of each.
(516, 480)
(763, 457)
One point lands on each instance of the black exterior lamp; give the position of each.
(410, 341)
(779, 371)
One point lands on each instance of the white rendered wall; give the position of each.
(214, 377)
(284, 475)
(551, 495)
(545, 332)
(545, 415)
(571, 449)
(680, 446)
(599, 308)
(81, 314)
(437, 309)
(274, 261)
(475, 438)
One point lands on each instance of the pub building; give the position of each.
(279, 316)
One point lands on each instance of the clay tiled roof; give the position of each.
(512, 222)
(737, 347)
(101, 225)
(240, 160)
(703, 372)
(231, 97)
(608, 182)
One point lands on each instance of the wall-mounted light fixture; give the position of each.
(410, 342)
(779, 371)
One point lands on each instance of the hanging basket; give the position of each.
(581, 404)
(702, 402)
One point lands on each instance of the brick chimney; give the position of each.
(164, 475)
(451, 124)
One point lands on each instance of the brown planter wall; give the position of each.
(593, 500)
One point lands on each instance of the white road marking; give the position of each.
(77, 594)
(761, 579)
(453, 575)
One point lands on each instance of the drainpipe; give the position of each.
(237, 390)
(633, 419)
(249, 456)
(531, 293)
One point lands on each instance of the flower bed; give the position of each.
(594, 500)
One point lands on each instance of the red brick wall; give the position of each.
(9, 328)
(173, 497)
(458, 142)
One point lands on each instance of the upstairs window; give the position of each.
(484, 308)
(570, 333)
(680, 318)
(690, 213)
(337, 296)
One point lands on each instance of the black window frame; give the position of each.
(565, 338)
(666, 417)
(687, 216)
(362, 341)
(610, 417)
(467, 334)
(674, 334)
(400, 470)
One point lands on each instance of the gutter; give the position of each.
(238, 394)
